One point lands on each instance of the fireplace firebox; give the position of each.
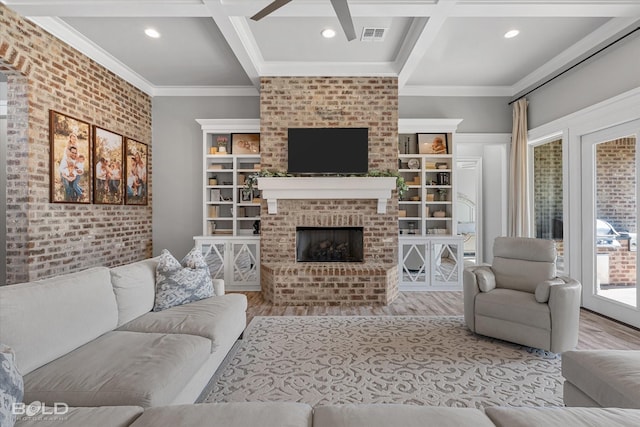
(329, 244)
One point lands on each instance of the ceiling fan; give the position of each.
(340, 6)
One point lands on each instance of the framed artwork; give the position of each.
(433, 143)
(70, 154)
(136, 169)
(108, 167)
(245, 143)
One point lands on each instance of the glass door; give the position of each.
(610, 221)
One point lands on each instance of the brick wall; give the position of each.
(45, 239)
(329, 102)
(616, 202)
(548, 188)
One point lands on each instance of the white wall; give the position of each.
(177, 164)
(494, 151)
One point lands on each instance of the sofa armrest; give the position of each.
(564, 305)
(471, 288)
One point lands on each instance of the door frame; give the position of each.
(590, 298)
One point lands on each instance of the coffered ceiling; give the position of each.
(434, 47)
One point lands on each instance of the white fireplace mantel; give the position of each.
(316, 188)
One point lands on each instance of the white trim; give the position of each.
(230, 125)
(60, 29)
(342, 69)
(130, 8)
(576, 52)
(3, 107)
(326, 188)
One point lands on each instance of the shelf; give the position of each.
(249, 218)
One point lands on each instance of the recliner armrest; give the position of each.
(470, 290)
(564, 306)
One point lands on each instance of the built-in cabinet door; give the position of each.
(430, 263)
(235, 260)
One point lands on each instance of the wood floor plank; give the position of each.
(595, 331)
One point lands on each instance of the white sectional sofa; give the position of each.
(90, 338)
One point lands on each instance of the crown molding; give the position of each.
(66, 33)
(130, 8)
(206, 91)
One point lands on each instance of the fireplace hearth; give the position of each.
(329, 244)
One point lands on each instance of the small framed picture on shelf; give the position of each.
(246, 195)
(245, 143)
(433, 143)
(215, 195)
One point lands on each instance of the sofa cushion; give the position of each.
(610, 377)
(384, 415)
(515, 306)
(263, 414)
(105, 416)
(48, 318)
(220, 319)
(120, 368)
(550, 417)
(135, 288)
(178, 283)
(11, 386)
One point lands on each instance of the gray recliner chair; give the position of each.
(520, 299)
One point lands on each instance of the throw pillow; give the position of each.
(11, 386)
(178, 284)
(486, 279)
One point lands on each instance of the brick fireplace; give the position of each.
(329, 102)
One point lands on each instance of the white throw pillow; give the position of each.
(486, 279)
(11, 386)
(181, 283)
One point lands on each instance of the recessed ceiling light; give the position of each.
(328, 33)
(511, 34)
(154, 34)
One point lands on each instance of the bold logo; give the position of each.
(39, 408)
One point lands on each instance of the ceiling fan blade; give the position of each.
(344, 16)
(272, 7)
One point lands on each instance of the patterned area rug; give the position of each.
(386, 359)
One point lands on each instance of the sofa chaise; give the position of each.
(90, 338)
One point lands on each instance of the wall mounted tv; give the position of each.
(328, 151)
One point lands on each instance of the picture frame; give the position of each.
(108, 167)
(70, 173)
(245, 143)
(246, 195)
(136, 161)
(433, 143)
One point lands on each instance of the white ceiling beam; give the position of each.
(423, 42)
(122, 8)
(321, 8)
(241, 47)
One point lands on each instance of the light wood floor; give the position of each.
(595, 331)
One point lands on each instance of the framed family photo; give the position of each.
(70, 154)
(136, 169)
(108, 167)
(433, 143)
(245, 143)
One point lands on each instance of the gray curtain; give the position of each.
(518, 214)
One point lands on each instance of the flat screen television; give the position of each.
(328, 151)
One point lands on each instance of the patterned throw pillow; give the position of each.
(181, 283)
(11, 386)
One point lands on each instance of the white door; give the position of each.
(610, 177)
